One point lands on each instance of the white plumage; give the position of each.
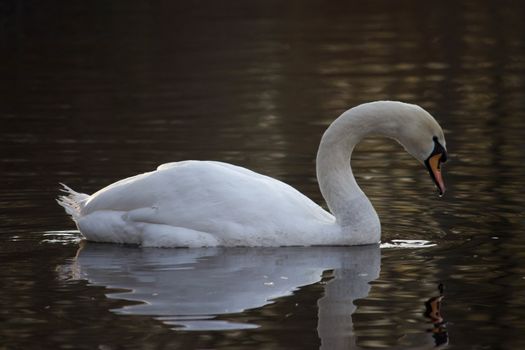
(208, 203)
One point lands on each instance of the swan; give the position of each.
(209, 203)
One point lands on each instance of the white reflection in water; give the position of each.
(408, 243)
(189, 287)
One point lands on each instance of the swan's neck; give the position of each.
(347, 202)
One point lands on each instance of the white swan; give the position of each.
(207, 203)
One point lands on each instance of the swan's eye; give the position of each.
(443, 158)
(438, 149)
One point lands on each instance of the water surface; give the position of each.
(94, 92)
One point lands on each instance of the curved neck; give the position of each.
(346, 200)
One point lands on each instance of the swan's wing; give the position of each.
(205, 195)
(126, 194)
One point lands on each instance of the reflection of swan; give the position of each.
(205, 203)
(190, 287)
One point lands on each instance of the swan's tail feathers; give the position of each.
(72, 201)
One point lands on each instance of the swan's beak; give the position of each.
(433, 165)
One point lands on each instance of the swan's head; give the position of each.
(423, 138)
(412, 126)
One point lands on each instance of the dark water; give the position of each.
(91, 92)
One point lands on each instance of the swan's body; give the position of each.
(206, 203)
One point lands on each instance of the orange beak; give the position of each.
(434, 168)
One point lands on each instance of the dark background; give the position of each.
(94, 91)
